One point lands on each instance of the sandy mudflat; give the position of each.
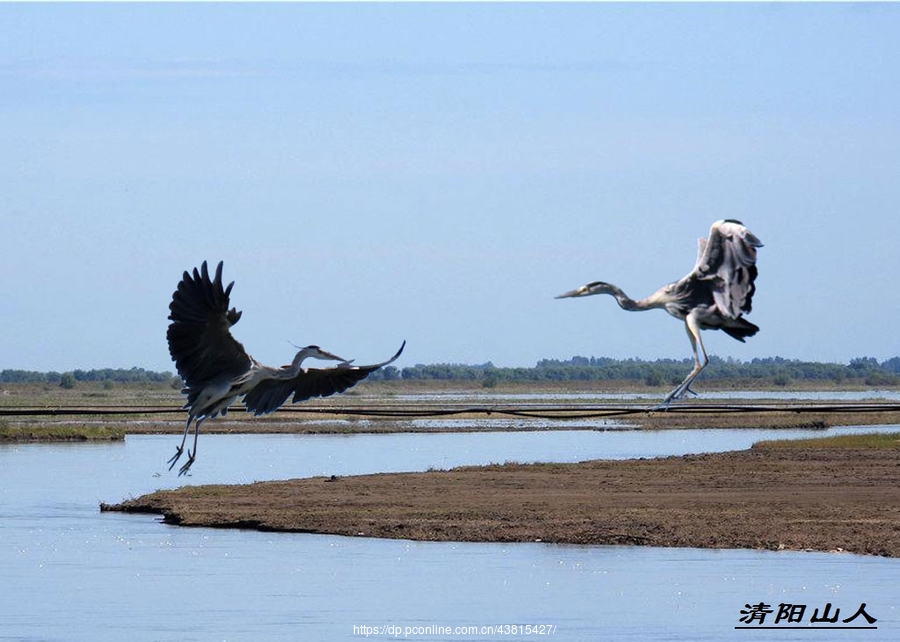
(823, 499)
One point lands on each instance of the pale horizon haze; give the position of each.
(437, 173)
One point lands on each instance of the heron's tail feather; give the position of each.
(740, 329)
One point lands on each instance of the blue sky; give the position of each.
(371, 173)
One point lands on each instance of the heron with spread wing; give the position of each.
(216, 369)
(715, 295)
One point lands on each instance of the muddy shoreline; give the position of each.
(816, 499)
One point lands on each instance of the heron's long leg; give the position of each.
(180, 449)
(192, 455)
(693, 330)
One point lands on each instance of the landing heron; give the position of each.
(715, 295)
(216, 369)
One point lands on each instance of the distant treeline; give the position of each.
(774, 370)
(114, 375)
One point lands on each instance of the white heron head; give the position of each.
(315, 352)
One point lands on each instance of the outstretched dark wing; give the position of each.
(199, 339)
(269, 394)
(728, 259)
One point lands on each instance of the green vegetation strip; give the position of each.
(61, 433)
(880, 441)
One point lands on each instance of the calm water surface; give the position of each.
(72, 573)
(746, 395)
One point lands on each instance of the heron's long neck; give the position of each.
(627, 303)
(297, 364)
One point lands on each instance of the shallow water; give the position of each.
(72, 573)
(747, 395)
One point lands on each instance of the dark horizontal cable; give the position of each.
(534, 412)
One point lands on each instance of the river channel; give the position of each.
(70, 573)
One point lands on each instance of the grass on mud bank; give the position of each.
(882, 441)
(62, 432)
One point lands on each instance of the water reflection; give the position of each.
(75, 574)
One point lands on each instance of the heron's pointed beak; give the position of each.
(323, 355)
(577, 292)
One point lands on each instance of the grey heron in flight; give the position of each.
(715, 295)
(216, 369)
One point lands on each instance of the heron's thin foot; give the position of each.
(175, 457)
(664, 405)
(187, 464)
(676, 395)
